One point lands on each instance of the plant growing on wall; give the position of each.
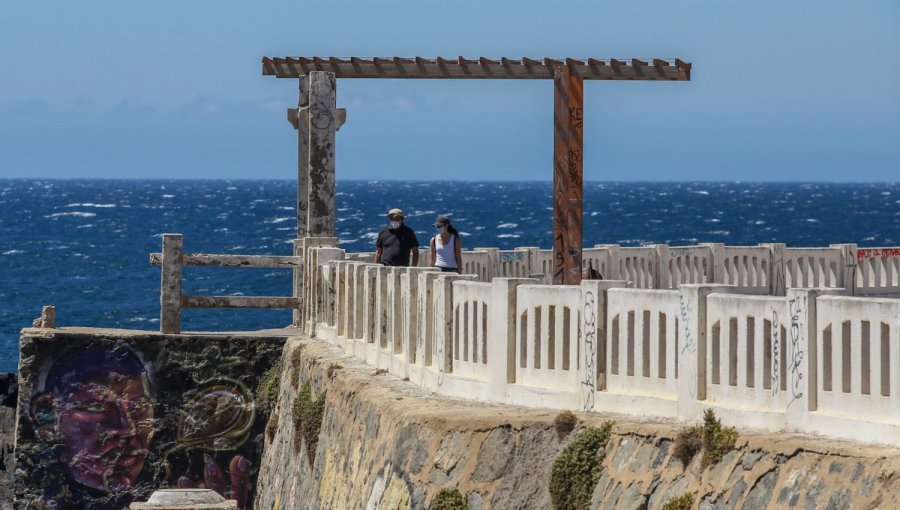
(682, 502)
(308, 414)
(717, 440)
(449, 499)
(577, 469)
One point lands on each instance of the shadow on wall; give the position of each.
(105, 421)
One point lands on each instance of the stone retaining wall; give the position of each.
(386, 443)
(8, 395)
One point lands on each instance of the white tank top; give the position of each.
(445, 254)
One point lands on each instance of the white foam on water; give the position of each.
(79, 214)
(13, 252)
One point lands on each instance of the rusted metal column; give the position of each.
(322, 127)
(568, 182)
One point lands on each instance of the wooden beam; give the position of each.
(568, 171)
(479, 68)
(203, 259)
(170, 284)
(240, 302)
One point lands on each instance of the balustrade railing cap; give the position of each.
(185, 499)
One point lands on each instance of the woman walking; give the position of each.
(446, 248)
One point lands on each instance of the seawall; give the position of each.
(386, 443)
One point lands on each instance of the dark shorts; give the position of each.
(447, 269)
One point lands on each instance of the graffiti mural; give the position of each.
(105, 421)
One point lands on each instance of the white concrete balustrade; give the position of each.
(729, 329)
(763, 269)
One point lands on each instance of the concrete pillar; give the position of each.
(443, 321)
(776, 268)
(370, 299)
(501, 346)
(848, 269)
(302, 128)
(802, 354)
(310, 275)
(297, 284)
(321, 288)
(425, 314)
(322, 127)
(716, 273)
(662, 267)
(170, 285)
(592, 365)
(409, 310)
(692, 347)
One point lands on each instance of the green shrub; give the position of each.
(267, 389)
(296, 358)
(332, 369)
(308, 415)
(577, 469)
(717, 440)
(683, 502)
(565, 422)
(449, 499)
(688, 443)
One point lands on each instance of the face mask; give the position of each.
(395, 225)
(441, 230)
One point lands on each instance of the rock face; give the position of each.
(8, 396)
(385, 443)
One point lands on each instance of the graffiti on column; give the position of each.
(776, 353)
(795, 354)
(690, 345)
(589, 380)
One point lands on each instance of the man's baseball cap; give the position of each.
(396, 212)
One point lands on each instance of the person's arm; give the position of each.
(415, 257)
(379, 246)
(457, 247)
(433, 256)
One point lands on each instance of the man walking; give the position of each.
(396, 241)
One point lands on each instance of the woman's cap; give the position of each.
(441, 221)
(393, 213)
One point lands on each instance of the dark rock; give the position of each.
(9, 389)
(406, 441)
(835, 467)
(707, 503)
(736, 492)
(494, 455)
(624, 452)
(866, 487)
(812, 495)
(857, 472)
(664, 446)
(634, 498)
(761, 492)
(600, 490)
(839, 500)
(419, 458)
(750, 460)
(613, 502)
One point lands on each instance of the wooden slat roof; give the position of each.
(480, 68)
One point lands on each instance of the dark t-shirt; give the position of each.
(395, 245)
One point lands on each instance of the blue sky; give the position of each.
(797, 91)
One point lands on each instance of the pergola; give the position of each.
(317, 119)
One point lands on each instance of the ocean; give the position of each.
(83, 245)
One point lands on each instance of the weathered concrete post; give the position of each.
(297, 283)
(425, 322)
(802, 370)
(501, 349)
(568, 169)
(593, 338)
(294, 117)
(322, 127)
(443, 321)
(849, 254)
(692, 357)
(170, 297)
(776, 273)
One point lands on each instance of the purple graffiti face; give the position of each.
(105, 429)
(101, 418)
